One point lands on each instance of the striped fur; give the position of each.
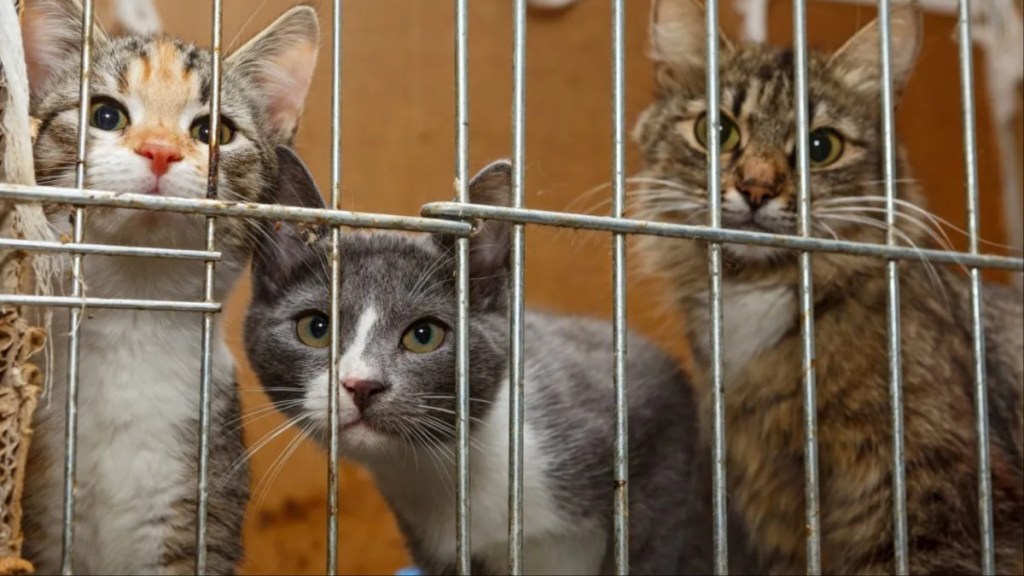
(762, 337)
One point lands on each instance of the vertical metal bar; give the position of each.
(462, 504)
(75, 316)
(334, 314)
(899, 491)
(619, 327)
(516, 289)
(718, 478)
(803, 128)
(206, 367)
(977, 318)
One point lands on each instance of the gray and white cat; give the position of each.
(397, 368)
(139, 370)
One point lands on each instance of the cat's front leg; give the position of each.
(227, 493)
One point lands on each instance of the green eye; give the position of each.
(313, 330)
(826, 146)
(108, 115)
(728, 134)
(423, 336)
(201, 130)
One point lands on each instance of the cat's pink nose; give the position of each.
(160, 154)
(362, 391)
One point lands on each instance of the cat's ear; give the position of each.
(52, 33)
(859, 61)
(489, 247)
(283, 246)
(677, 40)
(279, 63)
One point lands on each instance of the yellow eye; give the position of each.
(423, 336)
(108, 115)
(201, 130)
(728, 133)
(313, 330)
(826, 146)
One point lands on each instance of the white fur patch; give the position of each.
(754, 318)
(352, 364)
(423, 488)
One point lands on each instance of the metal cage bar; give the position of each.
(714, 187)
(81, 302)
(334, 315)
(462, 496)
(899, 491)
(619, 326)
(803, 129)
(517, 295)
(75, 314)
(106, 249)
(977, 316)
(706, 233)
(250, 210)
(206, 367)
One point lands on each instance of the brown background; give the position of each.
(398, 153)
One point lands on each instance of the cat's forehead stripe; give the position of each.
(162, 81)
(353, 364)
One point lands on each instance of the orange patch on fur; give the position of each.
(167, 90)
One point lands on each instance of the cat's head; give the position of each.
(759, 176)
(149, 113)
(397, 321)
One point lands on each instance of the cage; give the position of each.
(479, 87)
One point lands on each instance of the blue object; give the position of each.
(410, 571)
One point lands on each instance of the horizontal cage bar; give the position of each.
(649, 228)
(228, 208)
(77, 303)
(107, 249)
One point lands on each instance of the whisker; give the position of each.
(929, 267)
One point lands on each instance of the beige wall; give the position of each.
(398, 154)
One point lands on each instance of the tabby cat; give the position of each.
(762, 342)
(139, 370)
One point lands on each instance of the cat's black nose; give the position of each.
(363, 391)
(757, 193)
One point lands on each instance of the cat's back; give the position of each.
(577, 351)
(1004, 330)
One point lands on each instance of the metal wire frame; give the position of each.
(803, 123)
(456, 217)
(333, 387)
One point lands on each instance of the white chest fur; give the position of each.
(754, 319)
(139, 375)
(553, 543)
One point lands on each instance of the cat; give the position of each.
(397, 366)
(762, 337)
(139, 371)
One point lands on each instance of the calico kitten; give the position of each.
(139, 370)
(762, 344)
(398, 372)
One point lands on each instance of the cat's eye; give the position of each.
(201, 130)
(423, 336)
(108, 115)
(826, 146)
(728, 133)
(313, 330)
